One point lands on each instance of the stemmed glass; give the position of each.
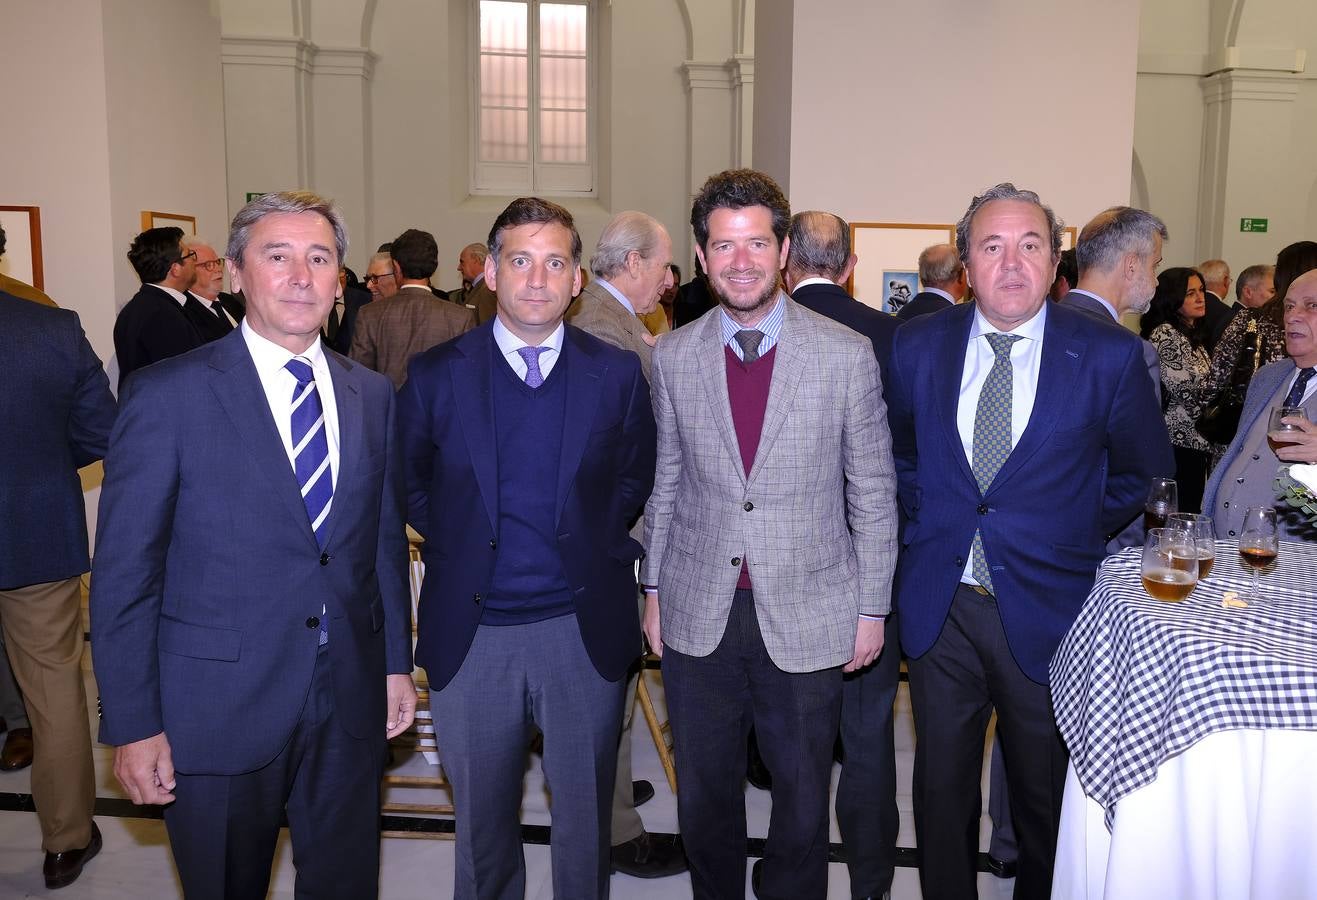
(1200, 529)
(1170, 564)
(1258, 543)
(1162, 501)
(1279, 433)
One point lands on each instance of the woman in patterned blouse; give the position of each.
(1174, 325)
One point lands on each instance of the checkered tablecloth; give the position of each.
(1138, 680)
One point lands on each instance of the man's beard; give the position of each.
(768, 294)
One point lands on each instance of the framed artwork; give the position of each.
(22, 258)
(888, 252)
(153, 219)
(1068, 235)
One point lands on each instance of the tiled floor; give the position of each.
(135, 862)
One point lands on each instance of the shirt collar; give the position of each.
(1031, 330)
(1110, 309)
(940, 293)
(815, 279)
(621, 298)
(269, 357)
(770, 325)
(479, 278)
(177, 295)
(509, 343)
(203, 299)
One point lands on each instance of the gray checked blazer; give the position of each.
(816, 518)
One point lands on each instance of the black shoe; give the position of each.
(757, 876)
(62, 869)
(650, 856)
(641, 792)
(1003, 868)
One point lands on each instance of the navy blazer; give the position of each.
(208, 577)
(56, 399)
(922, 304)
(1046, 515)
(152, 326)
(832, 301)
(605, 473)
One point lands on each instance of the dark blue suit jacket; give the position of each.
(605, 473)
(922, 304)
(151, 327)
(207, 573)
(1046, 516)
(832, 301)
(56, 401)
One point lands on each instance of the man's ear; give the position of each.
(235, 276)
(847, 270)
(397, 272)
(491, 273)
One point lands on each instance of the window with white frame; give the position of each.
(533, 96)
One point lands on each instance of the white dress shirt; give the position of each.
(941, 293)
(1026, 357)
(279, 385)
(179, 297)
(509, 344)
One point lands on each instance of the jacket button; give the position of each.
(1232, 534)
(960, 562)
(983, 509)
(1239, 481)
(493, 544)
(1256, 457)
(313, 622)
(324, 559)
(475, 599)
(736, 560)
(1227, 506)
(748, 506)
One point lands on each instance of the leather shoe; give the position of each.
(649, 856)
(1003, 868)
(62, 869)
(641, 792)
(17, 752)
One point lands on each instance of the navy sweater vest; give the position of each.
(529, 584)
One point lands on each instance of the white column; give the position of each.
(343, 134)
(741, 71)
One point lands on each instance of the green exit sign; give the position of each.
(1255, 225)
(252, 195)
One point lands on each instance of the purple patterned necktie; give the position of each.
(534, 378)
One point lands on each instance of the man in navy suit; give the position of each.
(153, 325)
(943, 276)
(1021, 440)
(530, 447)
(57, 402)
(250, 607)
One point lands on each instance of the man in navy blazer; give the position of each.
(57, 402)
(943, 276)
(530, 448)
(154, 324)
(250, 607)
(1022, 442)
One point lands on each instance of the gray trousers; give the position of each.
(513, 677)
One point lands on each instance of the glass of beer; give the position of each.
(1258, 543)
(1204, 537)
(1279, 433)
(1170, 564)
(1161, 502)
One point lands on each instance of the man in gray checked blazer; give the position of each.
(771, 537)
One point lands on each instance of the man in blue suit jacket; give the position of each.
(529, 450)
(250, 607)
(57, 402)
(1022, 442)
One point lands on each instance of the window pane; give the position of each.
(503, 25)
(563, 83)
(503, 81)
(503, 135)
(562, 137)
(562, 28)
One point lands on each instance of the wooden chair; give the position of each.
(661, 732)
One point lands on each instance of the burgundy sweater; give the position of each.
(747, 391)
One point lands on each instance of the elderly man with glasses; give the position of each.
(213, 312)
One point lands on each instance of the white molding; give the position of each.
(354, 61)
(252, 50)
(706, 75)
(1262, 59)
(1231, 86)
(741, 70)
(1172, 63)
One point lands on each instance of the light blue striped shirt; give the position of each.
(617, 295)
(770, 325)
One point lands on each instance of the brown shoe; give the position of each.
(62, 869)
(17, 752)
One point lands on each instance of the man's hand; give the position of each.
(402, 704)
(146, 770)
(649, 623)
(1304, 449)
(648, 338)
(869, 636)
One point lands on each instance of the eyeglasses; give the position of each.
(191, 254)
(210, 265)
(370, 278)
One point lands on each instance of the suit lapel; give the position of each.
(954, 341)
(788, 367)
(584, 388)
(711, 370)
(474, 396)
(347, 399)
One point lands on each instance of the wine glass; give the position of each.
(1161, 502)
(1280, 434)
(1201, 529)
(1258, 543)
(1170, 564)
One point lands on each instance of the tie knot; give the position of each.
(301, 370)
(1001, 343)
(749, 339)
(531, 355)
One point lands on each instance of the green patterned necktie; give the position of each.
(992, 435)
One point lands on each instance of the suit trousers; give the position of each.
(223, 828)
(43, 636)
(12, 709)
(866, 792)
(953, 689)
(712, 702)
(513, 677)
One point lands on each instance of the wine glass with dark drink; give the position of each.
(1199, 527)
(1258, 543)
(1170, 564)
(1281, 433)
(1161, 502)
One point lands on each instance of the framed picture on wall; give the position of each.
(154, 219)
(888, 264)
(1068, 237)
(22, 257)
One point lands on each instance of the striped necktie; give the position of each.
(311, 457)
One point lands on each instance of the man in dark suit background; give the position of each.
(819, 261)
(943, 276)
(213, 312)
(56, 392)
(258, 675)
(152, 325)
(1216, 284)
(1021, 440)
(529, 447)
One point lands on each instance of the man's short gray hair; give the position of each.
(820, 244)
(382, 256)
(1115, 232)
(1213, 270)
(284, 202)
(939, 265)
(1005, 191)
(1250, 277)
(479, 251)
(625, 232)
